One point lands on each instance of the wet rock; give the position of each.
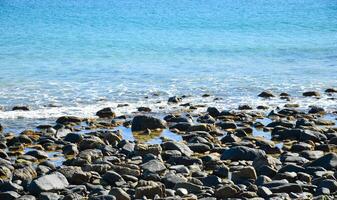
(120, 194)
(316, 109)
(266, 94)
(141, 123)
(1, 128)
(179, 146)
(144, 109)
(328, 161)
(106, 113)
(177, 119)
(330, 184)
(214, 112)
(331, 90)
(175, 99)
(230, 138)
(47, 183)
(22, 108)
(245, 107)
(38, 154)
(311, 94)
(241, 153)
(154, 166)
(68, 119)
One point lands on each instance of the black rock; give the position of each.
(106, 113)
(142, 123)
(266, 94)
(241, 153)
(10, 195)
(311, 94)
(113, 178)
(328, 161)
(23, 108)
(183, 148)
(68, 119)
(174, 99)
(73, 138)
(214, 112)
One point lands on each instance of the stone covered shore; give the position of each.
(220, 156)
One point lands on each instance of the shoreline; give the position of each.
(192, 151)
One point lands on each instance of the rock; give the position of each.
(9, 195)
(47, 183)
(143, 149)
(311, 94)
(175, 99)
(330, 184)
(38, 154)
(142, 123)
(315, 110)
(266, 94)
(287, 188)
(264, 192)
(68, 119)
(106, 113)
(244, 107)
(227, 191)
(181, 192)
(190, 187)
(144, 109)
(113, 178)
(211, 181)
(331, 90)
(91, 143)
(102, 197)
(244, 173)
(49, 196)
(149, 189)
(199, 147)
(70, 150)
(154, 166)
(183, 148)
(299, 134)
(171, 179)
(328, 161)
(73, 138)
(214, 112)
(27, 173)
(241, 153)
(120, 194)
(22, 108)
(27, 197)
(1, 128)
(226, 125)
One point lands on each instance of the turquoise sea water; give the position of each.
(75, 53)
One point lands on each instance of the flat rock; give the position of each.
(183, 148)
(154, 166)
(241, 153)
(47, 183)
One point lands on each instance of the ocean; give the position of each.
(65, 57)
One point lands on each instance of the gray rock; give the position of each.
(38, 154)
(48, 183)
(190, 187)
(154, 166)
(113, 178)
(227, 191)
(49, 196)
(328, 161)
(149, 189)
(27, 197)
(264, 192)
(244, 173)
(183, 148)
(120, 194)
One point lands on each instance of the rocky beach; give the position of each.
(190, 151)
